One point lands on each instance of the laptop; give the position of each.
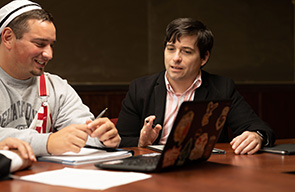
(194, 133)
(159, 148)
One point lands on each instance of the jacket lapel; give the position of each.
(160, 100)
(202, 92)
(160, 103)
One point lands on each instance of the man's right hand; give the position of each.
(71, 138)
(148, 133)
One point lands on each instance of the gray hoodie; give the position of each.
(20, 102)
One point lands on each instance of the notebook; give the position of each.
(194, 133)
(282, 149)
(88, 154)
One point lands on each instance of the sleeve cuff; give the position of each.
(265, 140)
(16, 161)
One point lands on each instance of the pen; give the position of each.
(102, 113)
(218, 151)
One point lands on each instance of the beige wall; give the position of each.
(113, 42)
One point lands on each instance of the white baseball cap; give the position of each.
(14, 9)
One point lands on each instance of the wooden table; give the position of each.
(224, 172)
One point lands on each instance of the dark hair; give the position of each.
(19, 25)
(188, 26)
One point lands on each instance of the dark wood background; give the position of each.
(113, 42)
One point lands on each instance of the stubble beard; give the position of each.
(37, 73)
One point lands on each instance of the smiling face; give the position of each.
(33, 51)
(183, 61)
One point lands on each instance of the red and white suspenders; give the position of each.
(42, 122)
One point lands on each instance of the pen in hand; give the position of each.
(90, 125)
(102, 113)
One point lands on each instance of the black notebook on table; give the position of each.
(282, 149)
(195, 131)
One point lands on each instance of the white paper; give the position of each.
(85, 179)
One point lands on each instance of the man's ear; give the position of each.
(204, 61)
(7, 37)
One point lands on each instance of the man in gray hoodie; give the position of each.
(38, 107)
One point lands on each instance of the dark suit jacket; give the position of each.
(147, 96)
(4, 167)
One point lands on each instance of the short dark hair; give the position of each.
(19, 25)
(188, 26)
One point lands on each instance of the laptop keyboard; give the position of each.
(142, 160)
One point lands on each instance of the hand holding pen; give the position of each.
(104, 130)
(99, 116)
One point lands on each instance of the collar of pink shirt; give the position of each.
(197, 83)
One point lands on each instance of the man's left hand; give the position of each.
(105, 131)
(246, 143)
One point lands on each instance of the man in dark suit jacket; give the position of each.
(156, 99)
(15, 155)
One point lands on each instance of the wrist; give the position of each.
(48, 145)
